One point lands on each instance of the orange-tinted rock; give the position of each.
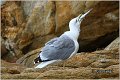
(46, 18)
(66, 10)
(39, 25)
(12, 23)
(12, 19)
(98, 29)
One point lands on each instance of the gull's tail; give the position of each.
(44, 64)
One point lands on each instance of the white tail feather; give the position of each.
(44, 64)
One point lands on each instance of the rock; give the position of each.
(105, 63)
(86, 65)
(39, 21)
(91, 37)
(77, 73)
(2, 2)
(93, 59)
(114, 69)
(10, 58)
(33, 70)
(97, 59)
(79, 60)
(41, 24)
(113, 44)
(109, 54)
(105, 73)
(12, 23)
(28, 7)
(12, 19)
(68, 73)
(9, 52)
(20, 76)
(56, 22)
(4, 51)
(67, 10)
(53, 22)
(11, 68)
(28, 59)
(36, 43)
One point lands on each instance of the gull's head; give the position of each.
(75, 22)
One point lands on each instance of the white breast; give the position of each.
(70, 35)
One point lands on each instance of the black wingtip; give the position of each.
(37, 60)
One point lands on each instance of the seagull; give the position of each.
(63, 47)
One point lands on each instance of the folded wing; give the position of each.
(60, 49)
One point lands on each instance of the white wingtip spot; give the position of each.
(34, 62)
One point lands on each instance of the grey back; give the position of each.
(59, 48)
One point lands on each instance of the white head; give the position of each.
(74, 24)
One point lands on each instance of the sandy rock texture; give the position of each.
(11, 68)
(28, 59)
(95, 65)
(114, 44)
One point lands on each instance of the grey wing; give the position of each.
(51, 41)
(62, 48)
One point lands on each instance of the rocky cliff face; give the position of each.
(52, 18)
(12, 23)
(30, 24)
(27, 25)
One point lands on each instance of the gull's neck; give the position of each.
(73, 34)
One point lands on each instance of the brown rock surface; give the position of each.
(66, 10)
(40, 24)
(11, 68)
(12, 23)
(103, 63)
(113, 44)
(28, 7)
(31, 24)
(4, 51)
(97, 59)
(94, 65)
(28, 59)
(12, 19)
